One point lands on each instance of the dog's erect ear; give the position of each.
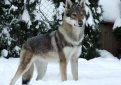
(68, 4)
(81, 2)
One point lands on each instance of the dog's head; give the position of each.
(75, 13)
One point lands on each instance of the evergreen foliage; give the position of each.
(117, 33)
(92, 31)
(13, 30)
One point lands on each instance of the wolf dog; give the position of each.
(60, 46)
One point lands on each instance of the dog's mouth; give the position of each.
(77, 25)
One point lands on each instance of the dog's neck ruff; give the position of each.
(71, 40)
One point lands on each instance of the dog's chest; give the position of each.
(68, 52)
(72, 52)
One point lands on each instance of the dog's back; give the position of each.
(38, 44)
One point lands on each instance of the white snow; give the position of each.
(14, 8)
(31, 1)
(24, 1)
(7, 2)
(99, 10)
(112, 9)
(5, 31)
(59, 11)
(90, 20)
(4, 53)
(26, 16)
(104, 70)
(117, 23)
(17, 48)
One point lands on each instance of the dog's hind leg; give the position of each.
(26, 61)
(41, 67)
(28, 75)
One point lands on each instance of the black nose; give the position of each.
(80, 23)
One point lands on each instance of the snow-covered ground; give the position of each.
(105, 70)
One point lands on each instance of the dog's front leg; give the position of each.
(63, 66)
(74, 67)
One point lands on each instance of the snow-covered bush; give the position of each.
(92, 31)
